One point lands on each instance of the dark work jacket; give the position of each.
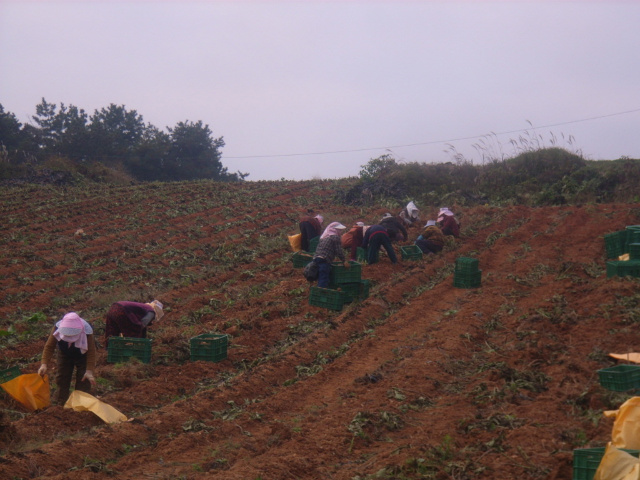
(394, 228)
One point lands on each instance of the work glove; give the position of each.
(88, 375)
(42, 370)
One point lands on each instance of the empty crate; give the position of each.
(620, 378)
(411, 252)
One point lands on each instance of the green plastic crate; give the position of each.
(9, 374)
(365, 285)
(466, 265)
(614, 244)
(467, 280)
(313, 244)
(351, 291)
(620, 378)
(327, 298)
(587, 460)
(634, 251)
(122, 349)
(612, 268)
(632, 236)
(210, 347)
(300, 259)
(583, 461)
(340, 274)
(355, 291)
(630, 268)
(411, 252)
(361, 255)
(622, 268)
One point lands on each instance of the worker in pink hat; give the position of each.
(329, 247)
(310, 227)
(448, 222)
(72, 342)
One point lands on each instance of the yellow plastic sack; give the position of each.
(296, 242)
(626, 427)
(30, 390)
(631, 357)
(617, 465)
(82, 402)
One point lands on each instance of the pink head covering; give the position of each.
(444, 211)
(157, 309)
(332, 229)
(74, 330)
(320, 218)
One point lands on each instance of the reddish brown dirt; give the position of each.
(420, 380)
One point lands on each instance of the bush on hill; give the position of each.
(547, 176)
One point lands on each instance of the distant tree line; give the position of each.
(115, 138)
(534, 177)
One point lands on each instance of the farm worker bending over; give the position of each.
(448, 222)
(76, 349)
(410, 214)
(353, 239)
(376, 237)
(432, 238)
(131, 319)
(394, 227)
(329, 247)
(310, 227)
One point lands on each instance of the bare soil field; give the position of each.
(419, 380)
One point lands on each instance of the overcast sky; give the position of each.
(315, 89)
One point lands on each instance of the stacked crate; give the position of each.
(619, 243)
(327, 298)
(467, 274)
(345, 286)
(634, 251)
(621, 268)
(632, 235)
